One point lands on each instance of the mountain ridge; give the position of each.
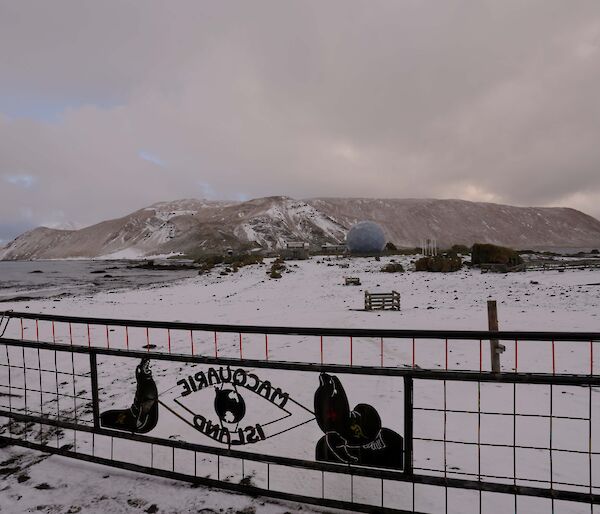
(193, 225)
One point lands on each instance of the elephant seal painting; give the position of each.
(353, 437)
(142, 416)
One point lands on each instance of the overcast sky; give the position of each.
(106, 107)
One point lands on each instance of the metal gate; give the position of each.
(268, 410)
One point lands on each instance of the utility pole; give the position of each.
(495, 347)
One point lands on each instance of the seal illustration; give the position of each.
(353, 437)
(142, 416)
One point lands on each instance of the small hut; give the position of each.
(296, 250)
(333, 249)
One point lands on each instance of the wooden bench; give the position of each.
(352, 281)
(382, 301)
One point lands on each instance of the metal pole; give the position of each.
(94, 377)
(495, 347)
(408, 425)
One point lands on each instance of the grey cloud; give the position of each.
(490, 101)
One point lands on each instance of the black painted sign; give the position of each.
(220, 402)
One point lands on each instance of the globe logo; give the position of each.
(365, 237)
(229, 405)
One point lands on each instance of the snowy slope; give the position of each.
(409, 221)
(192, 225)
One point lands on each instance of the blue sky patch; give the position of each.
(152, 158)
(20, 180)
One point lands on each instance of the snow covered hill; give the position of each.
(193, 225)
(409, 221)
(184, 226)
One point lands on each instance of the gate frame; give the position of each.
(409, 375)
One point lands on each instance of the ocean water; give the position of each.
(25, 280)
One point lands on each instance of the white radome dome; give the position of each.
(365, 237)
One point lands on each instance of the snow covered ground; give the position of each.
(312, 294)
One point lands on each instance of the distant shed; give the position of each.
(296, 250)
(333, 249)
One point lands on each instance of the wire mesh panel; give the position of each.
(520, 434)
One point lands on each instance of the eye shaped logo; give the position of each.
(235, 406)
